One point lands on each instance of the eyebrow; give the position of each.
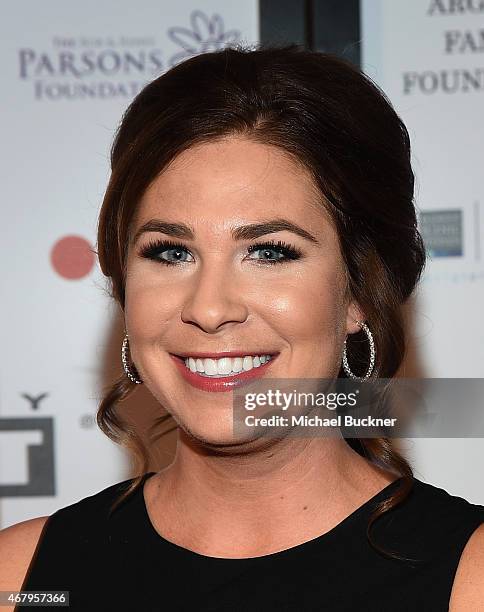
(243, 232)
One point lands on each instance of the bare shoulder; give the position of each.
(468, 588)
(17, 546)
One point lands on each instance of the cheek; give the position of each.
(310, 306)
(309, 314)
(148, 309)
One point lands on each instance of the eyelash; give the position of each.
(154, 248)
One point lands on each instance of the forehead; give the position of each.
(232, 180)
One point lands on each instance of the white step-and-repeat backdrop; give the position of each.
(428, 57)
(69, 69)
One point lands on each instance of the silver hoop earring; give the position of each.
(124, 359)
(346, 367)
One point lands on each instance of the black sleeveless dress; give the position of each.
(122, 563)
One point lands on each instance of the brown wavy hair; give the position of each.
(328, 115)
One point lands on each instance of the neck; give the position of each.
(233, 504)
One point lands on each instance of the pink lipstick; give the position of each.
(220, 383)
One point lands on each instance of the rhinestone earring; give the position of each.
(124, 359)
(346, 367)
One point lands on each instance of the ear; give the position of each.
(354, 313)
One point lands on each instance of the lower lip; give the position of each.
(222, 383)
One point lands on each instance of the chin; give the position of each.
(218, 439)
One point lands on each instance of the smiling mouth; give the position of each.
(225, 366)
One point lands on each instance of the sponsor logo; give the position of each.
(442, 232)
(107, 67)
(31, 446)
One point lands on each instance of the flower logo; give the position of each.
(206, 34)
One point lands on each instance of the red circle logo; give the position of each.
(71, 257)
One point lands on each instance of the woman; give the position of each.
(259, 222)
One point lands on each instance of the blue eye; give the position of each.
(177, 254)
(168, 253)
(281, 249)
(172, 253)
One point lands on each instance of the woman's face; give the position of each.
(217, 291)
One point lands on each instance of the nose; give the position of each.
(215, 300)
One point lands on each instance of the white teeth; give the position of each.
(210, 366)
(237, 364)
(247, 364)
(226, 366)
